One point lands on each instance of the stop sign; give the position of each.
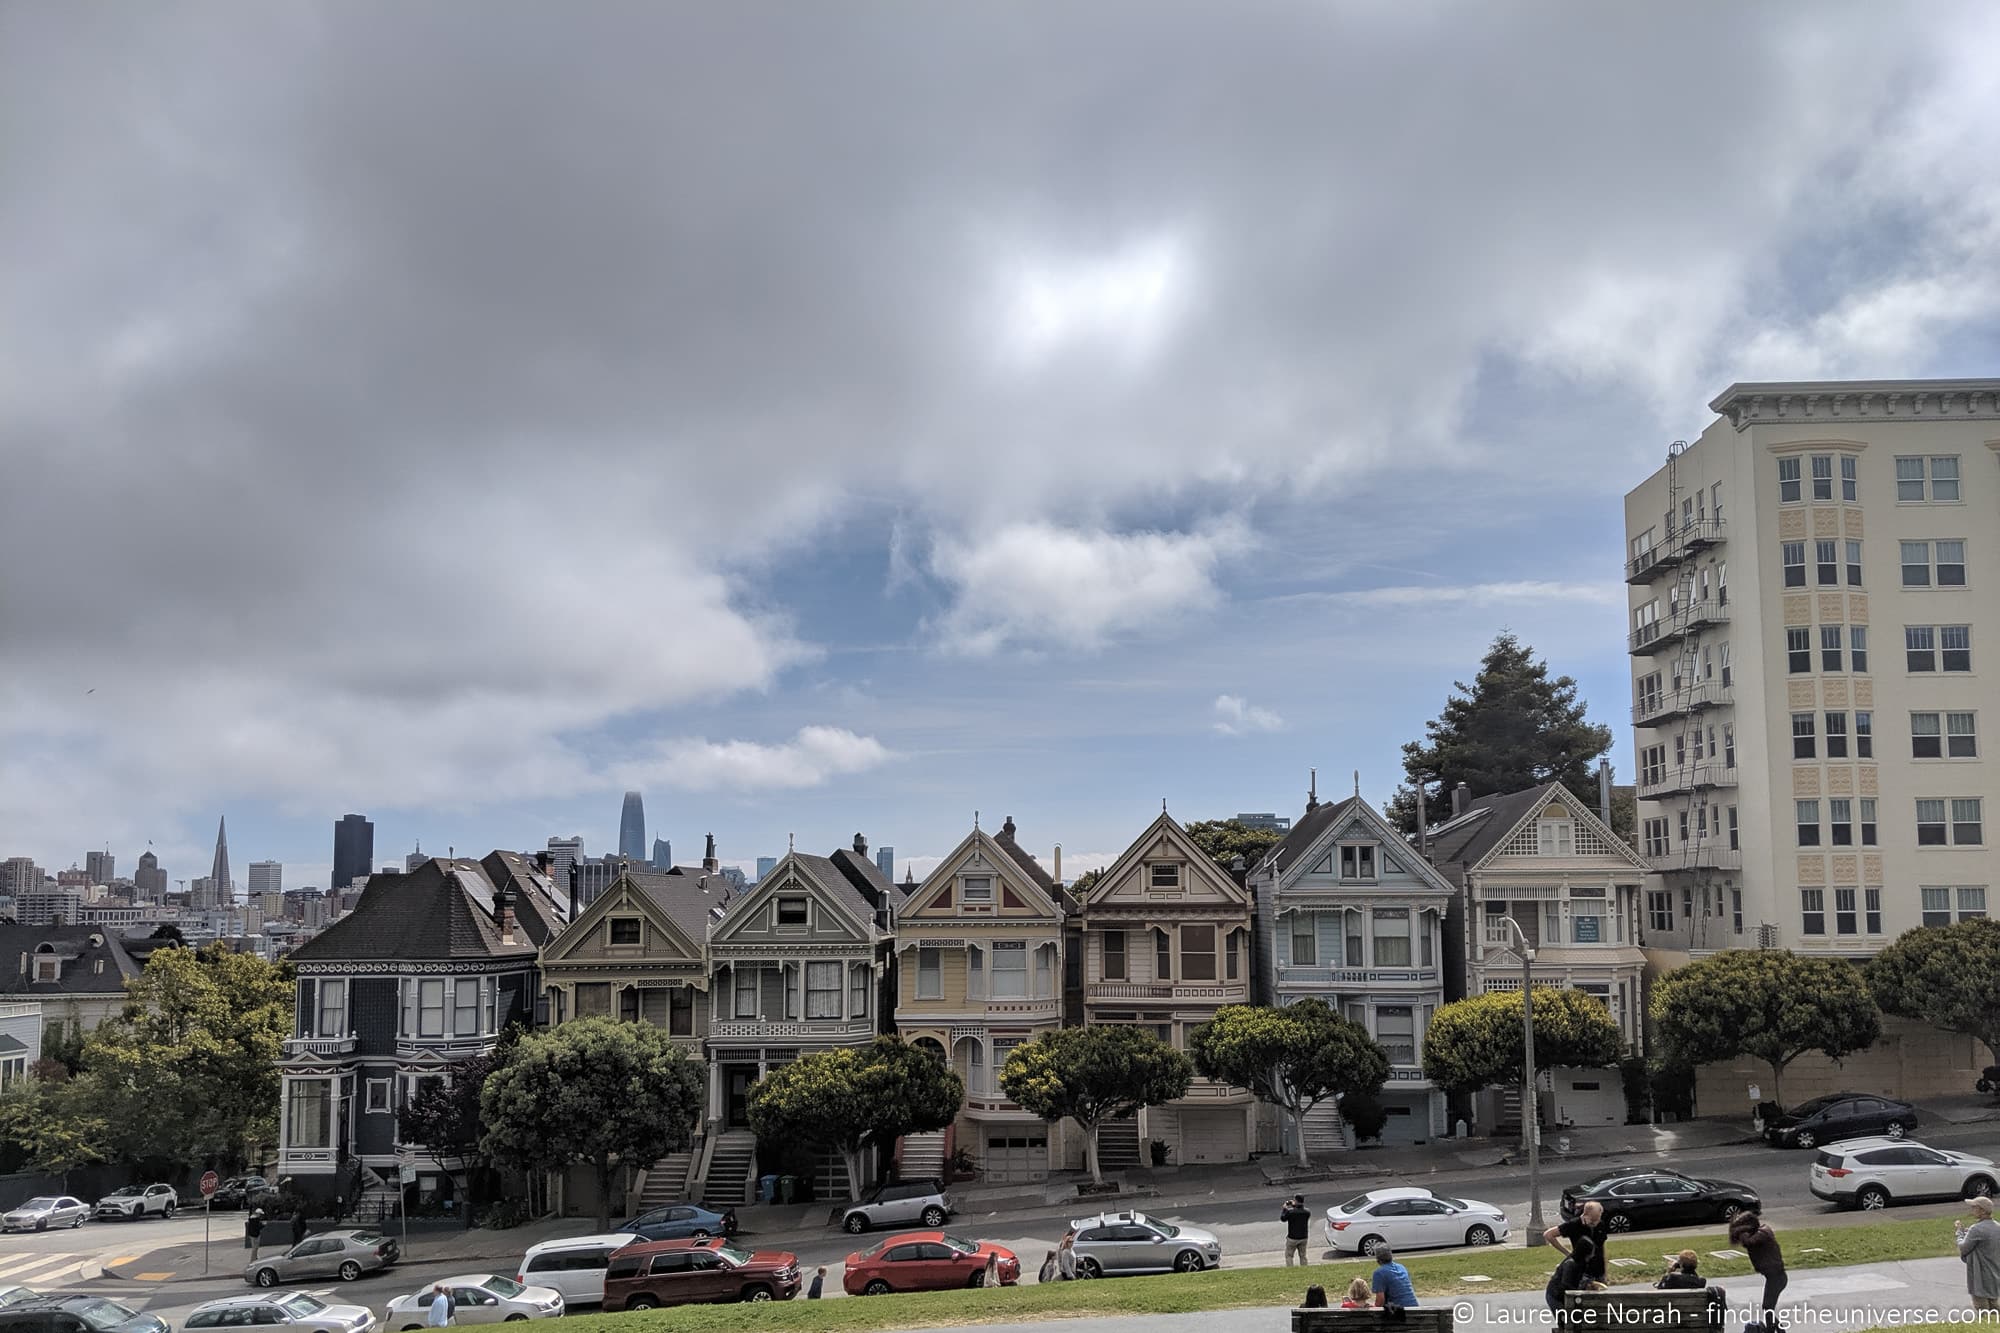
(208, 1183)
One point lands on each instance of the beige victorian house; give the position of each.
(1165, 937)
(979, 972)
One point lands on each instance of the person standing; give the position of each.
(1979, 1247)
(1748, 1233)
(440, 1311)
(1588, 1224)
(1048, 1271)
(253, 1232)
(1298, 1226)
(818, 1287)
(992, 1274)
(1066, 1256)
(1391, 1281)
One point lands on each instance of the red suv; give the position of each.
(926, 1261)
(651, 1274)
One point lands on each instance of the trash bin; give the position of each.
(767, 1188)
(787, 1187)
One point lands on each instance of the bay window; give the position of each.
(1392, 937)
(1305, 941)
(1010, 970)
(1114, 955)
(858, 979)
(332, 1008)
(1198, 953)
(930, 974)
(309, 1113)
(823, 990)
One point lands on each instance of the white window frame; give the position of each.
(930, 974)
(1212, 953)
(1011, 974)
(1163, 874)
(1304, 930)
(379, 1094)
(819, 1007)
(975, 891)
(331, 1019)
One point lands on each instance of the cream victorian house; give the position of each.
(1165, 935)
(979, 972)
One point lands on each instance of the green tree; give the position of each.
(595, 1091)
(443, 1117)
(1770, 1004)
(1294, 1058)
(1365, 1115)
(1080, 886)
(1514, 727)
(187, 1075)
(1947, 976)
(1477, 1042)
(1094, 1074)
(1226, 839)
(851, 1097)
(50, 1127)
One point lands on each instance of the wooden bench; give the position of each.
(1421, 1319)
(1642, 1309)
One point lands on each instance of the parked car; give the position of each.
(652, 1274)
(342, 1254)
(1989, 1079)
(1840, 1115)
(897, 1203)
(1411, 1219)
(237, 1192)
(291, 1309)
(137, 1201)
(13, 1295)
(1637, 1197)
(575, 1267)
(97, 1314)
(926, 1261)
(679, 1221)
(45, 1211)
(1115, 1244)
(1876, 1172)
(476, 1298)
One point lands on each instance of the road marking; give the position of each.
(122, 1260)
(27, 1271)
(155, 1277)
(52, 1274)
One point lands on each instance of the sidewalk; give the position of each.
(1558, 1145)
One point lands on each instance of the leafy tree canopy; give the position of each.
(1514, 727)
(594, 1091)
(1094, 1074)
(1081, 884)
(1947, 976)
(1293, 1057)
(1480, 1041)
(1227, 839)
(1768, 1003)
(850, 1097)
(49, 1127)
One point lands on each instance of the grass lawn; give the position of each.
(1439, 1276)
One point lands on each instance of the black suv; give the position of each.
(1840, 1115)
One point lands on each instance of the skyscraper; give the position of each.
(353, 849)
(150, 879)
(220, 873)
(98, 866)
(663, 854)
(765, 865)
(564, 853)
(632, 828)
(266, 877)
(885, 861)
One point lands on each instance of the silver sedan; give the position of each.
(476, 1298)
(45, 1211)
(294, 1309)
(342, 1254)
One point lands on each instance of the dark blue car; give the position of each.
(679, 1221)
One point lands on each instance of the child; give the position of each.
(1359, 1297)
(1683, 1275)
(818, 1284)
(1315, 1298)
(1048, 1273)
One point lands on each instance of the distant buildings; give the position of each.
(150, 884)
(353, 849)
(632, 828)
(98, 866)
(415, 858)
(220, 874)
(564, 853)
(50, 905)
(266, 877)
(1266, 823)
(663, 854)
(19, 875)
(765, 865)
(885, 861)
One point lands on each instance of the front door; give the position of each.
(737, 1088)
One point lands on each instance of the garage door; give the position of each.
(1408, 1122)
(1213, 1136)
(1015, 1156)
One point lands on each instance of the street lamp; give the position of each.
(1531, 1119)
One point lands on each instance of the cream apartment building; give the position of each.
(1814, 631)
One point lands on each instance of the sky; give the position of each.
(863, 417)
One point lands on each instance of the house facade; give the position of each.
(423, 974)
(1349, 913)
(1543, 860)
(978, 972)
(1165, 937)
(74, 976)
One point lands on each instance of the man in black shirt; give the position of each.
(1298, 1225)
(1588, 1225)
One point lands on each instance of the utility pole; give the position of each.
(1530, 1115)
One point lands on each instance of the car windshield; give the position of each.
(43, 1202)
(100, 1314)
(1448, 1201)
(364, 1238)
(503, 1286)
(962, 1245)
(125, 1193)
(733, 1255)
(298, 1305)
(1353, 1205)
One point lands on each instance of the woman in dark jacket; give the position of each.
(1748, 1233)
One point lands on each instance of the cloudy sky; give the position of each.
(844, 417)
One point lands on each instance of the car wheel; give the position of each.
(1480, 1235)
(1896, 1129)
(934, 1216)
(1728, 1211)
(75, 1222)
(1872, 1197)
(42, 1224)
(1618, 1222)
(1091, 1268)
(267, 1277)
(516, 1319)
(1805, 1138)
(1368, 1245)
(876, 1287)
(1979, 1187)
(698, 1234)
(168, 1213)
(643, 1302)
(350, 1271)
(1187, 1261)
(757, 1293)
(855, 1224)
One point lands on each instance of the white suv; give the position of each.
(136, 1201)
(1874, 1173)
(575, 1267)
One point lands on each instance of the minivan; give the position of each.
(575, 1266)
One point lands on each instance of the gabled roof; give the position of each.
(687, 900)
(1006, 856)
(540, 908)
(1165, 826)
(443, 911)
(1298, 850)
(1005, 840)
(846, 880)
(1466, 842)
(81, 949)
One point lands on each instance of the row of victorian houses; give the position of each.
(988, 951)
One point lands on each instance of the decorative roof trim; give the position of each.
(1810, 401)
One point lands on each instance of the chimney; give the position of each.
(860, 845)
(1461, 800)
(1056, 873)
(1007, 829)
(572, 890)
(709, 864)
(1604, 791)
(503, 913)
(1312, 791)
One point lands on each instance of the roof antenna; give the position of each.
(1312, 790)
(1163, 805)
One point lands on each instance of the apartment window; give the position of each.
(1357, 948)
(930, 974)
(1971, 902)
(1788, 480)
(332, 1008)
(1807, 818)
(1396, 1030)
(1868, 821)
(1829, 647)
(1916, 564)
(1936, 900)
(1957, 643)
(465, 1007)
(1166, 875)
(1822, 476)
(1920, 647)
(1684, 826)
(1798, 649)
(1715, 501)
(1010, 969)
(1708, 662)
(680, 1011)
(1840, 821)
(1949, 557)
(1114, 955)
(1305, 941)
(1926, 736)
(1854, 564)
(976, 890)
(1846, 916)
(1656, 837)
(1652, 765)
(746, 991)
(1794, 558)
(1163, 955)
(1197, 953)
(1659, 910)
(1857, 648)
(1736, 911)
(1943, 479)
(625, 930)
(1871, 902)
(1680, 752)
(1931, 828)
(1850, 484)
(1392, 937)
(430, 1008)
(1812, 911)
(1941, 562)
(1733, 845)
(1687, 512)
(1727, 674)
(1357, 861)
(1803, 746)
(1646, 693)
(1836, 735)
(378, 1096)
(1960, 739)
(1826, 556)
(791, 913)
(1721, 578)
(1729, 745)
(823, 990)
(1967, 828)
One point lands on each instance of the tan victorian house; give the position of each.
(979, 972)
(1165, 940)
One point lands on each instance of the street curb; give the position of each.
(157, 1262)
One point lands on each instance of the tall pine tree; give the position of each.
(1514, 727)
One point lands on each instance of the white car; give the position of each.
(292, 1309)
(1876, 1172)
(137, 1201)
(1411, 1219)
(476, 1298)
(575, 1267)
